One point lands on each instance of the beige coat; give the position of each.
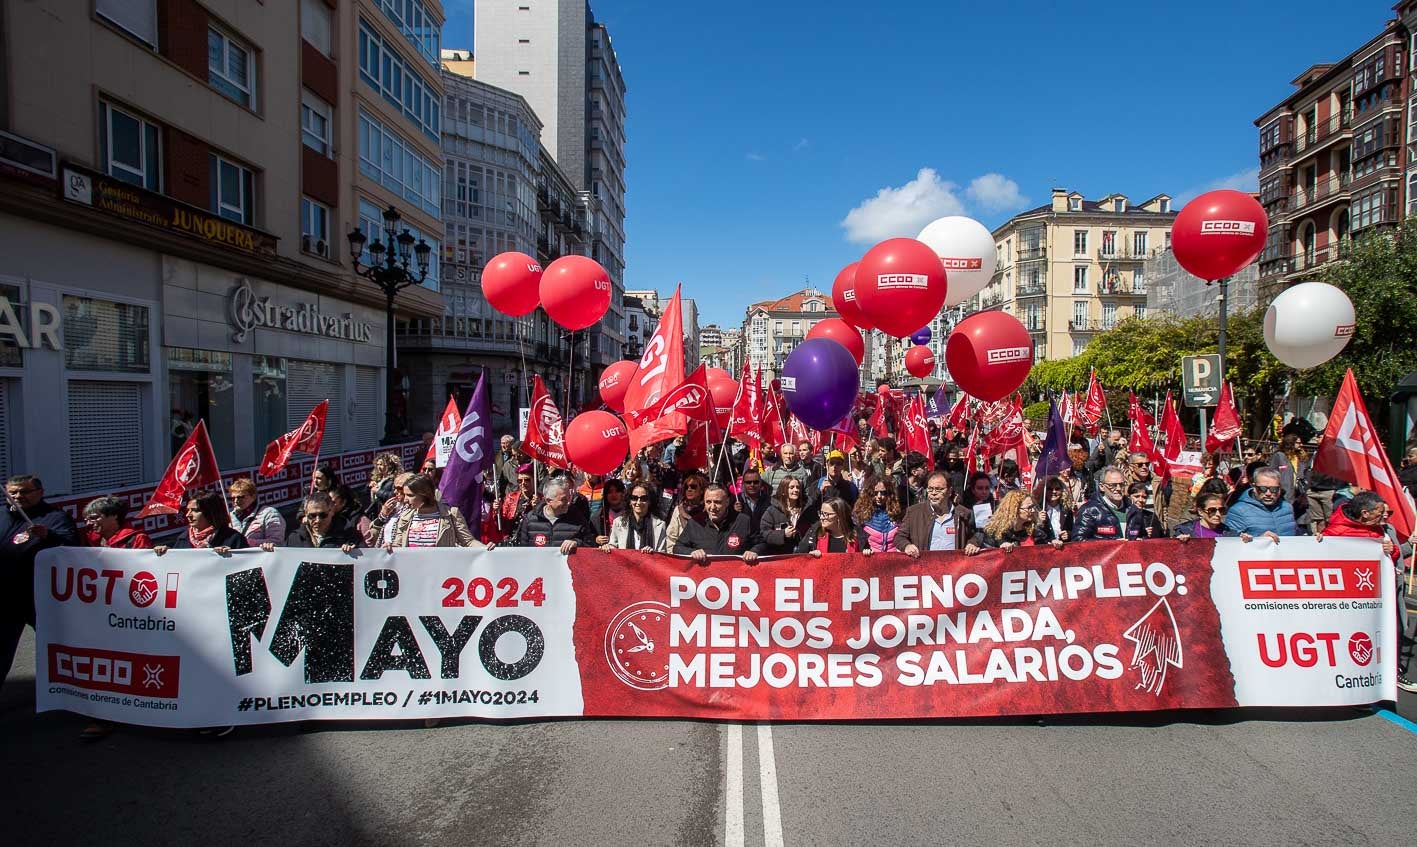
(452, 529)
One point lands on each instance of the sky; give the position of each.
(771, 143)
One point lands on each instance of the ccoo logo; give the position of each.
(1002, 355)
(1227, 227)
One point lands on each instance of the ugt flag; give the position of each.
(470, 458)
(304, 439)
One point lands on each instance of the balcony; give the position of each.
(1035, 323)
(1120, 254)
(1280, 155)
(1085, 326)
(989, 301)
(1121, 289)
(1326, 190)
(1334, 128)
(1032, 254)
(1038, 290)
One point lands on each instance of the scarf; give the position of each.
(640, 532)
(200, 537)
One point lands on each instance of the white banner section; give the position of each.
(195, 639)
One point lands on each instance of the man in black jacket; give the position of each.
(725, 533)
(27, 526)
(555, 524)
(319, 529)
(1104, 517)
(755, 499)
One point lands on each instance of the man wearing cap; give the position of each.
(835, 483)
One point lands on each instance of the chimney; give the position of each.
(1060, 199)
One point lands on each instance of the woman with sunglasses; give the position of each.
(690, 507)
(789, 517)
(259, 524)
(637, 528)
(1014, 524)
(1142, 522)
(833, 532)
(877, 515)
(1210, 518)
(320, 528)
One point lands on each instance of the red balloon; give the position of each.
(712, 374)
(989, 355)
(614, 382)
(511, 282)
(597, 442)
(724, 392)
(883, 389)
(844, 298)
(920, 361)
(1219, 233)
(900, 285)
(575, 291)
(842, 333)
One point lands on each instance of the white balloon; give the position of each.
(1308, 324)
(966, 247)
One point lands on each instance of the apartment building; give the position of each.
(1074, 267)
(179, 178)
(1338, 156)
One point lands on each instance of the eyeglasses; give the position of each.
(316, 516)
(937, 489)
(1109, 485)
(1268, 489)
(639, 498)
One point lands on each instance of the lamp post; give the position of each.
(389, 269)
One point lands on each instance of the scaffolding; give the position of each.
(1173, 291)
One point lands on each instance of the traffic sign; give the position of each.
(1200, 380)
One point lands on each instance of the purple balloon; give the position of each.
(921, 336)
(820, 382)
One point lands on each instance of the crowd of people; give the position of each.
(869, 500)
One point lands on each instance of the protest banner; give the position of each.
(194, 639)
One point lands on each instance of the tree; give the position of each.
(1379, 274)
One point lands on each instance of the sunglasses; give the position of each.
(316, 516)
(1268, 489)
(638, 498)
(1214, 510)
(879, 493)
(1140, 464)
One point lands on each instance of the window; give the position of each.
(199, 387)
(233, 190)
(268, 399)
(314, 228)
(1080, 313)
(1139, 244)
(1167, 234)
(1080, 278)
(383, 70)
(130, 147)
(1109, 315)
(1079, 242)
(317, 24)
(231, 67)
(1165, 205)
(417, 25)
(1269, 137)
(1119, 205)
(315, 121)
(1141, 312)
(101, 335)
(137, 17)
(1075, 204)
(388, 158)
(1139, 281)
(1109, 242)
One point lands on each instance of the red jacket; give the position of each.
(126, 538)
(1340, 525)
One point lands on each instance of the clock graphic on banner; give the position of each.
(637, 645)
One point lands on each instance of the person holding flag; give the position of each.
(208, 527)
(28, 525)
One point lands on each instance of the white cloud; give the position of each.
(996, 193)
(1246, 180)
(756, 157)
(902, 211)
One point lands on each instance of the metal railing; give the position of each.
(1322, 190)
(1031, 254)
(1120, 254)
(1088, 325)
(1334, 126)
(1030, 290)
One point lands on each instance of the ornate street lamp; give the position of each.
(389, 269)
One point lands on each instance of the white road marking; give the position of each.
(733, 786)
(767, 778)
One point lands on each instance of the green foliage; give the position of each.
(1380, 277)
(1036, 411)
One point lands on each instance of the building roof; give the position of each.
(793, 302)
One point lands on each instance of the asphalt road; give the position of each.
(1342, 777)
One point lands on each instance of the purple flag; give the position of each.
(938, 407)
(1055, 447)
(471, 457)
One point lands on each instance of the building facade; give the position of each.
(1338, 156)
(648, 306)
(1075, 267)
(1171, 290)
(175, 202)
(772, 329)
(556, 55)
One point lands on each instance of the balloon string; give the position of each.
(570, 374)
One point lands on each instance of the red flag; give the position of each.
(1008, 433)
(446, 436)
(545, 433)
(772, 430)
(1350, 450)
(917, 432)
(1094, 406)
(959, 414)
(194, 466)
(847, 434)
(974, 459)
(1172, 429)
(878, 419)
(690, 398)
(1066, 410)
(1226, 427)
(305, 438)
(797, 430)
(661, 368)
(744, 423)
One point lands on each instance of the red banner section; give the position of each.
(1102, 627)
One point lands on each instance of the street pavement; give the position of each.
(1334, 777)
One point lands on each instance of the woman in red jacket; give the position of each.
(106, 525)
(832, 533)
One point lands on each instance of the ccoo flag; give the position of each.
(470, 458)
